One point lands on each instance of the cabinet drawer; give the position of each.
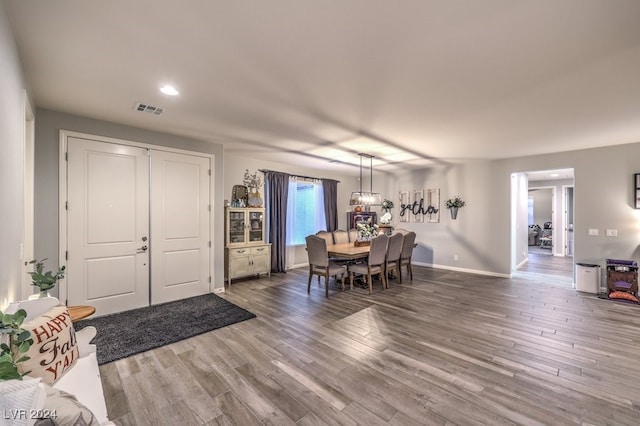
(239, 252)
(259, 250)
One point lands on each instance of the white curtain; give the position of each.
(305, 213)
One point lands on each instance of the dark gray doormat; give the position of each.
(130, 332)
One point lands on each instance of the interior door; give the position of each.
(180, 222)
(107, 225)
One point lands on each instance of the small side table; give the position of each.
(80, 312)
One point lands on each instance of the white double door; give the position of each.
(138, 225)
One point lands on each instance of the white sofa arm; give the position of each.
(84, 338)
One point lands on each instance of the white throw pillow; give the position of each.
(54, 350)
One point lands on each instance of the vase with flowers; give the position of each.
(366, 233)
(253, 182)
(387, 205)
(453, 204)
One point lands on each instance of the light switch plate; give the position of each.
(612, 232)
(593, 232)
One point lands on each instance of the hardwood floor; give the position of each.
(543, 268)
(447, 348)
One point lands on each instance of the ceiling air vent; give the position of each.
(148, 108)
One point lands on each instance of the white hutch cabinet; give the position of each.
(246, 252)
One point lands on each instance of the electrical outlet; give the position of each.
(594, 232)
(455, 257)
(612, 232)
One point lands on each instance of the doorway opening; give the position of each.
(542, 231)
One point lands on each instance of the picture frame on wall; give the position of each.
(417, 197)
(405, 200)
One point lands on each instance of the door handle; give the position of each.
(143, 249)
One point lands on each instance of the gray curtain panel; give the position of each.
(330, 189)
(276, 193)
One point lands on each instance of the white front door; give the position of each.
(107, 225)
(180, 221)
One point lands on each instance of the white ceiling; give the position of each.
(411, 82)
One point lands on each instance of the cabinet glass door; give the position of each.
(236, 227)
(255, 226)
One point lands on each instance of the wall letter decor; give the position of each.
(420, 207)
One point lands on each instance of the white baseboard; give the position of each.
(465, 270)
(524, 261)
(218, 290)
(300, 265)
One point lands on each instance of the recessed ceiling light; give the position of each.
(169, 90)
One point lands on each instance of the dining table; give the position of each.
(348, 251)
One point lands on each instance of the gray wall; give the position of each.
(236, 165)
(48, 126)
(12, 87)
(542, 205)
(481, 236)
(229, 171)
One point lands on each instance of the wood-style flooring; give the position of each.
(448, 348)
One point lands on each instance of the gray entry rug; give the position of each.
(130, 332)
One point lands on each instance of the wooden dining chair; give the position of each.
(374, 264)
(405, 256)
(340, 236)
(392, 261)
(320, 265)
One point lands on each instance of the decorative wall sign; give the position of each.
(420, 207)
(404, 200)
(433, 199)
(418, 214)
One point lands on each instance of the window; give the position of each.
(305, 210)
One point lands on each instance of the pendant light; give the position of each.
(366, 198)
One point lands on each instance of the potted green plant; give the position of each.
(453, 204)
(20, 341)
(45, 281)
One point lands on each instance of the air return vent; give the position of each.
(148, 108)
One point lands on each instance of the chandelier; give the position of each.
(363, 198)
